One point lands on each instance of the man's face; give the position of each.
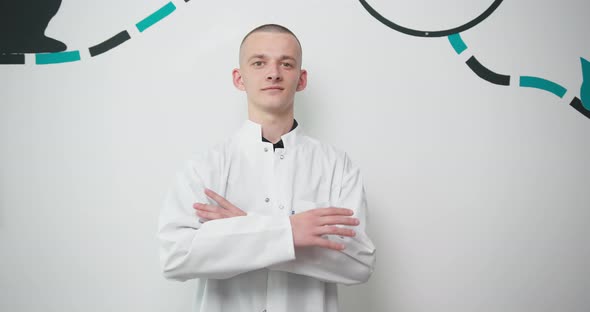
(270, 71)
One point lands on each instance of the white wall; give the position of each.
(478, 193)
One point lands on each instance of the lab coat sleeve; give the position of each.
(216, 249)
(354, 264)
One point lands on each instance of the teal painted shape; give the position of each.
(457, 43)
(585, 89)
(543, 84)
(59, 57)
(156, 17)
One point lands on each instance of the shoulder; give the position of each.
(324, 150)
(208, 159)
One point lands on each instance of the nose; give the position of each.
(274, 74)
(274, 77)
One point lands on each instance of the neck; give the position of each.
(273, 125)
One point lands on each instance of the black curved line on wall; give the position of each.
(110, 43)
(12, 59)
(577, 104)
(486, 74)
(23, 24)
(434, 33)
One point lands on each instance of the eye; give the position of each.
(287, 64)
(257, 63)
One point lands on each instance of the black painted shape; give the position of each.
(434, 33)
(577, 104)
(486, 74)
(23, 24)
(109, 43)
(12, 59)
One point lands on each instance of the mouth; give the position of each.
(272, 88)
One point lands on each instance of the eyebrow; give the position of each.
(263, 56)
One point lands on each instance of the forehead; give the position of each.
(271, 44)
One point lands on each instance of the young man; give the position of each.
(271, 219)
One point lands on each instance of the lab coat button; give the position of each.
(266, 149)
(267, 199)
(282, 156)
(281, 207)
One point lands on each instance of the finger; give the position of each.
(224, 203)
(334, 230)
(332, 211)
(324, 243)
(203, 206)
(209, 215)
(210, 208)
(219, 199)
(336, 220)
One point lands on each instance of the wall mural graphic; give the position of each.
(23, 24)
(581, 104)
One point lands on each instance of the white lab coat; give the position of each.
(249, 263)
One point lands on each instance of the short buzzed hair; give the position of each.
(275, 28)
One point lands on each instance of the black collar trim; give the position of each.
(280, 144)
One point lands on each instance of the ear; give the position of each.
(302, 83)
(237, 79)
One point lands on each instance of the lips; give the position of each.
(272, 88)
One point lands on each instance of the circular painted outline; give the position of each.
(436, 33)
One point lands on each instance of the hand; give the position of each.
(309, 226)
(212, 212)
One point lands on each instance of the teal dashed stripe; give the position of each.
(543, 84)
(585, 88)
(156, 17)
(59, 57)
(457, 43)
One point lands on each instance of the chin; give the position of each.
(274, 107)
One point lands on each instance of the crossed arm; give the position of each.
(227, 241)
(308, 227)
